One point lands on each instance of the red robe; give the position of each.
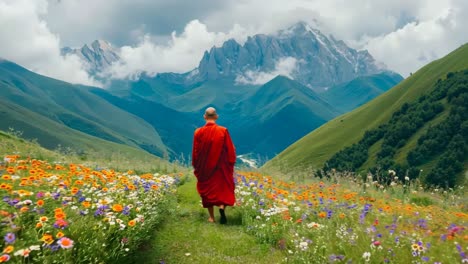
(213, 158)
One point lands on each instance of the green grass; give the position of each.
(188, 231)
(318, 146)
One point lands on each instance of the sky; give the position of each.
(161, 36)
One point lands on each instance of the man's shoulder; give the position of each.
(221, 128)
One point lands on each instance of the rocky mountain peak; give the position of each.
(98, 55)
(321, 61)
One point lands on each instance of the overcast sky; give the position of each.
(162, 35)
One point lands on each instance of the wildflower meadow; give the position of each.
(69, 213)
(344, 220)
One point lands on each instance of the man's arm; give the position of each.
(195, 148)
(231, 150)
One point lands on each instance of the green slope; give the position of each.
(361, 90)
(71, 106)
(50, 134)
(223, 94)
(318, 146)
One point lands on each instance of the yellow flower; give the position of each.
(47, 238)
(59, 234)
(8, 249)
(132, 223)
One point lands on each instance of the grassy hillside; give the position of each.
(101, 154)
(25, 93)
(318, 146)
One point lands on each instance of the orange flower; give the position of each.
(342, 215)
(74, 190)
(60, 215)
(39, 225)
(47, 238)
(131, 223)
(86, 204)
(43, 219)
(40, 203)
(24, 209)
(322, 214)
(59, 234)
(117, 207)
(6, 177)
(8, 249)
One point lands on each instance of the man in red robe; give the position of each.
(213, 159)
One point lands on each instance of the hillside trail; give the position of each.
(188, 237)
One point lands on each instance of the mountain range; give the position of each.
(159, 113)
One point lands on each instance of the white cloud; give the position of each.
(417, 44)
(284, 66)
(181, 53)
(26, 39)
(403, 34)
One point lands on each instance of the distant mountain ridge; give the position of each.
(98, 55)
(320, 61)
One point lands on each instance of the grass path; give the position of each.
(187, 237)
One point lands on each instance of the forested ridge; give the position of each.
(444, 143)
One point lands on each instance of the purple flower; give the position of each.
(425, 258)
(40, 194)
(54, 247)
(334, 257)
(10, 238)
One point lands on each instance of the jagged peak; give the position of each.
(299, 28)
(101, 45)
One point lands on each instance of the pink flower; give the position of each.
(65, 242)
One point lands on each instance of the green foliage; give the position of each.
(421, 201)
(444, 138)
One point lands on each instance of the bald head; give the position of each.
(210, 114)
